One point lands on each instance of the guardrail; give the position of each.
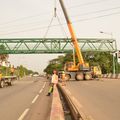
(7, 80)
(111, 76)
(57, 112)
(75, 108)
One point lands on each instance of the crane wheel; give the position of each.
(67, 77)
(88, 76)
(79, 76)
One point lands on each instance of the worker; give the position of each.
(63, 79)
(54, 81)
(0, 75)
(12, 70)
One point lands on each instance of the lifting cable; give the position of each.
(58, 19)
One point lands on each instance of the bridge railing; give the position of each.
(54, 45)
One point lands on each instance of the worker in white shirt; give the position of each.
(63, 79)
(54, 81)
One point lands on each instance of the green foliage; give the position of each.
(22, 71)
(19, 71)
(3, 57)
(5, 70)
(58, 63)
(49, 69)
(103, 59)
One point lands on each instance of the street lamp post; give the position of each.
(113, 64)
(111, 34)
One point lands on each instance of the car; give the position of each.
(35, 75)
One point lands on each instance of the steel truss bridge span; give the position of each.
(54, 45)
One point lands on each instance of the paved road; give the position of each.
(21, 98)
(100, 99)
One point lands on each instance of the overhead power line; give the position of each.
(88, 3)
(46, 13)
(82, 14)
(22, 18)
(98, 11)
(76, 21)
(100, 16)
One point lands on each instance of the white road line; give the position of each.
(35, 99)
(23, 115)
(40, 90)
(44, 85)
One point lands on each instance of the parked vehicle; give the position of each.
(7, 80)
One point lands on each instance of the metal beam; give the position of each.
(54, 45)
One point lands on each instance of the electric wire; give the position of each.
(78, 15)
(38, 15)
(76, 21)
(88, 3)
(98, 11)
(96, 17)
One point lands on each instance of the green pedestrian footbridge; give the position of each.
(54, 45)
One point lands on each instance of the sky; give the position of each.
(26, 18)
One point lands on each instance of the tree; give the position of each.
(22, 71)
(3, 57)
(103, 59)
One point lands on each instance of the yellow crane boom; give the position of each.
(73, 35)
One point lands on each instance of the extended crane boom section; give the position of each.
(73, 36)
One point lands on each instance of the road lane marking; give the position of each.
(24, 114)
(40, 90)
(44, 85)
(36, 97)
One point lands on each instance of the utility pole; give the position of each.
(111, 34)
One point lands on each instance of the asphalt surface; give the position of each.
(22, 100)
(100, 99)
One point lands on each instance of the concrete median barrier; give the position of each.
(114, 76)
(57, 112)
(105, 75)
(118, 76)
(75, 107)
(109, 75)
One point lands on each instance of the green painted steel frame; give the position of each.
(54, 45)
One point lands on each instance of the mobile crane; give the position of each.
(82, 70)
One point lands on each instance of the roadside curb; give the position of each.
(57, 112)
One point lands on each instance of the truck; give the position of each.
(8, 77)
(81, 70)
(7, 80)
